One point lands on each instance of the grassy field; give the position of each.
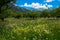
(30, 29)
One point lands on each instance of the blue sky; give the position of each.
(37, 4)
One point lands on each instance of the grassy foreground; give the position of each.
(30, 29)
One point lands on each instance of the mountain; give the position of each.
(16, 8)
(22, 9)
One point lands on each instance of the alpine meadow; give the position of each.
(34, 21)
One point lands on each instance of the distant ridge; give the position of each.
(16, 8)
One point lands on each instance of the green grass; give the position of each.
(30, 29)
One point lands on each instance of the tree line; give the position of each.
(4, 6)
(33, 14)
(5, 12)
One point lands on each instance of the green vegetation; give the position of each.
(30, 29)
(4, 6)
(28, 25)
(32, 14)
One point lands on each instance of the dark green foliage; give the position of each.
(27, 28)
(23, 29)
(3, 7)
(27, 13)
(45, 13)
(55, 12)
(32, 14)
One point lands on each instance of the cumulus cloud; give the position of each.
(49, 6)
(27, 5)
(49, 0)
(37, 5)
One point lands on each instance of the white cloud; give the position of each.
(49, 0)
(49, 6)
(37, 5)
(27, 5)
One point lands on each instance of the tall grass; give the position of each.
(30, 29)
